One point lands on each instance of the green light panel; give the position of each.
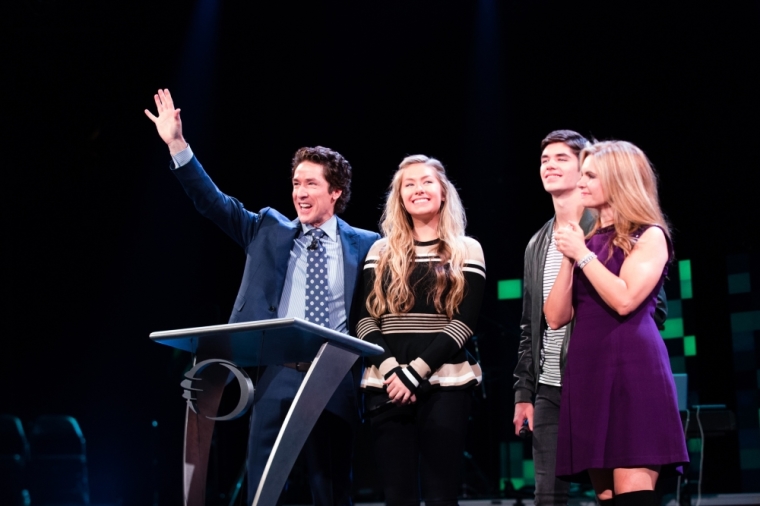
(748, 321)
(739, 283)
(689, 346)
(750, 458)
(529, 472)
(673, 328)
(509, 289)
(684, 274)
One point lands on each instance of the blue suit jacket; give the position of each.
(267, 238)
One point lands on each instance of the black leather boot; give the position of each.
(638, 498)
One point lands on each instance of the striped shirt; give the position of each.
(293, 300)
(426, 345)
(552, 345)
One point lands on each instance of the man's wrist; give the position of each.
(523, 395)
(182, 158)
(177, 145)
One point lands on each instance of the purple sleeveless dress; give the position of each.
(618, 405)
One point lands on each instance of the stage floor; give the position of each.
(706, 500)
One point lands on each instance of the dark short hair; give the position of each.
(575, 141)
(335, 168)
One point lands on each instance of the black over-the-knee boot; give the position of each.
(638, 498)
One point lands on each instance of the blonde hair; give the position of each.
(392, 291)
(629, 184)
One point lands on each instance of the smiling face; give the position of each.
(314, 201)
(592, 194)
(559, 168)
(421, 191)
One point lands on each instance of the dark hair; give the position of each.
(335, 169)
(575, 141)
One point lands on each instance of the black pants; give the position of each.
(327, 451)
(549, 490)
(421, 446)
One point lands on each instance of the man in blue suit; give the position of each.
(274, 285)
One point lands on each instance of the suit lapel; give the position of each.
(282, 248)
(348, 243)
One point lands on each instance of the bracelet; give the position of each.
(586, 260)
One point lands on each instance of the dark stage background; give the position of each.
(102, 246)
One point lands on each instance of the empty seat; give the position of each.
(14, 457)
(58, 467)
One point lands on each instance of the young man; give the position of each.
(541, 354)
(274, 286)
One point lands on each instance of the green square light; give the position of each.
(689, 346)
(745, 322)
(684, 270)
(678, 365)
(529, 472)
(516, 459)
(684, 274)
(675, 308)
(509, 289)
(517, 483)
(673, 328)
(694, 445)
(749, 458)
(686, 291)
(739, 283)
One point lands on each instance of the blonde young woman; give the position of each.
(619, 422)
(423, 289)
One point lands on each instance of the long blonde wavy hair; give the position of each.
(392, 292)
(629, 184)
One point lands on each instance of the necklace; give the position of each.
(426, 243)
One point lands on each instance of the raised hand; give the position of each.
(168, 122)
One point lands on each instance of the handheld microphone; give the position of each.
(525, 431)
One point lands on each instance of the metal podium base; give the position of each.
(327, 371)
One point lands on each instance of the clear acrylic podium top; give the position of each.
(263, 342)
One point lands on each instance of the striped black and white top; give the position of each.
(552, 345)
(425, 348)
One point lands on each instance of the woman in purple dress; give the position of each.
(619, 420)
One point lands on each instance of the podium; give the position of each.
(260, 343)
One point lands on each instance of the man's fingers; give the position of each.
(150, 116)
(517, 422)
(159, 104)
(170, 102)
(166, 98)
(530, 422)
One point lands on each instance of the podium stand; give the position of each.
(249, 344)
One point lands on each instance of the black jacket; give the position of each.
(533, 323)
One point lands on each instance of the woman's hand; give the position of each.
(397, 391)
(571, 241)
